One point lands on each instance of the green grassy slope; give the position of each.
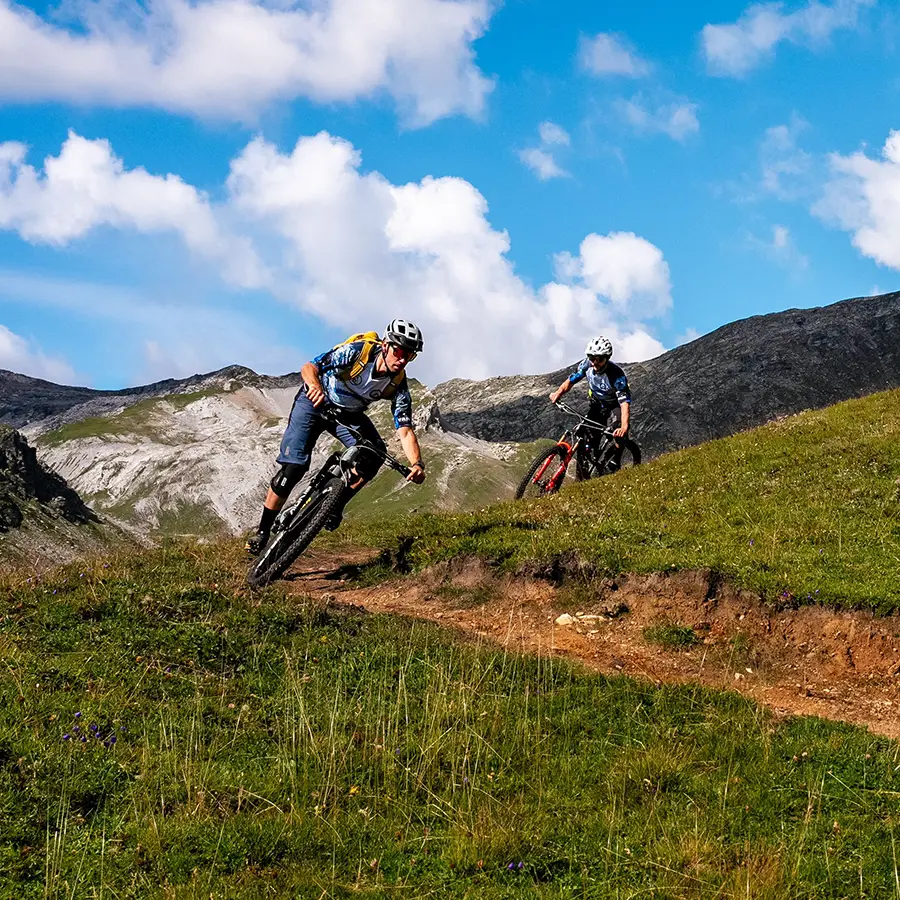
(165, 734)
(806, 508)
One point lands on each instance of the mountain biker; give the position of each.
(608, 392)
(336, 380)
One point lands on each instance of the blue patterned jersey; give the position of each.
(355, 394)
(609, 386)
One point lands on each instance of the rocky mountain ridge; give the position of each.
(194, 455)
(199, 462)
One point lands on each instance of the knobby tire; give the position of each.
(540, 490)
(307, 523)
(586, 466)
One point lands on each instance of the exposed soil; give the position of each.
(796, 661)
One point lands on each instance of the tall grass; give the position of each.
(233, 745)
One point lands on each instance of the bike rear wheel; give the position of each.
(544, 476)
(591, 465)
(287, 545)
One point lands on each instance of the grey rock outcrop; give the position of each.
(24, 479)
(734, 378)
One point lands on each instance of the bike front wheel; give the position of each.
(287, 545)
(545, 476)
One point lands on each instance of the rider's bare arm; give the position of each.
(622, 430)
(410, 444)
(564, 388)
(310, 375)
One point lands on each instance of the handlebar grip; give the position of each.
(403, 470)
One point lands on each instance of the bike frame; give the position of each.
(570, 440)
(341, 463)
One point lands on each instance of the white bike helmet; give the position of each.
(404, 334)
(598, 346)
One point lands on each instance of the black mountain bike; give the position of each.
(296, 525)
(591, 444)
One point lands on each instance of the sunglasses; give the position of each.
(594, 359)
(402, 352)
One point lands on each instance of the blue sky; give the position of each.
(187, 185)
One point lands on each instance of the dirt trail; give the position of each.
(805, 661)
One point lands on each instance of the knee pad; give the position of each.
(286, 478)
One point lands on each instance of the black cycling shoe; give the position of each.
(256, 543)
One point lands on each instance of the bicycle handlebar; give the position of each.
(574, 412)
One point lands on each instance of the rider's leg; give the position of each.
(613, 422)
(303, 430)
(367, 468)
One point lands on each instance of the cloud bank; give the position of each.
(611, 54)
(735, 49)
(231, 58)
(19, 355)
(354, 250)
(862, 196)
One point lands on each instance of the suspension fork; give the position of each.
(560, 473)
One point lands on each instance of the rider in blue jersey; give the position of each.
(341, 378)
(610, 398)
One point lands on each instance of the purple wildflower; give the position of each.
(521, 865)
(78, 715)
(65, 737)
(511, 867)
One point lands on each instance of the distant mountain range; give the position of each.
(194, 455)
(734, 378)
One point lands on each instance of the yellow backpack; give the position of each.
(371, 341)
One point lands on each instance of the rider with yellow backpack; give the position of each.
(351, 376)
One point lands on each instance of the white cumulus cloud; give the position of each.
(862, 196)
(734, 49)
(355, 250)
(610, 54)
(87, 186)
(20, 355)
(541, 159)
(230, 58)
(678, 120)
(780, 248)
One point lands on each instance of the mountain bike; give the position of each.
(296, 525)
(592, 445)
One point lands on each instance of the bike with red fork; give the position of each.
(595, 449)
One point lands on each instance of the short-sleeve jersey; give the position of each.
(609, 386)
(355, 394)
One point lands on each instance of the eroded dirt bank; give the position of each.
(800, 661)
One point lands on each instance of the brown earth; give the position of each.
(842, 665)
